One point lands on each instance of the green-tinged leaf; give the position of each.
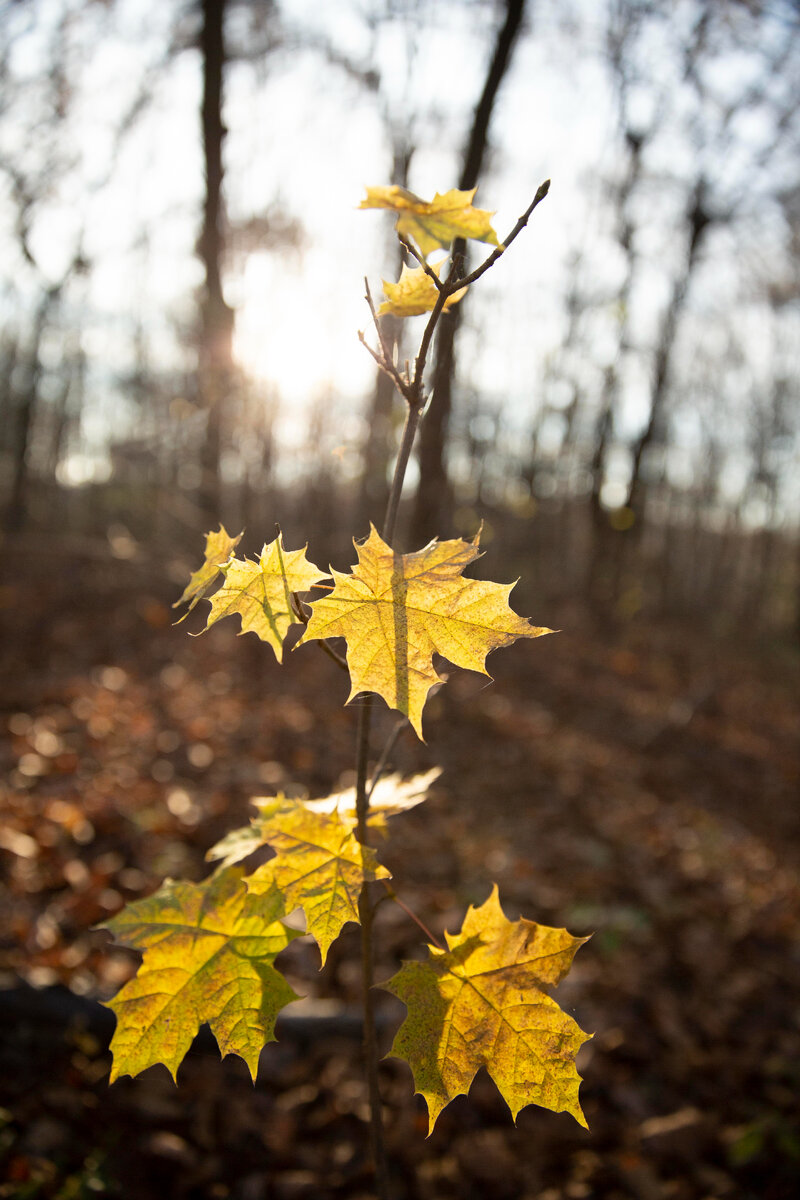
(391, 795)
(240, 843)
(261, 592)
(437, 222)
(414, 293)
(482, 1003)
(397, 610)
(318, 866)
(208, 954)
(219, 548)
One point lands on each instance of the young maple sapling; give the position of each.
(209, 949)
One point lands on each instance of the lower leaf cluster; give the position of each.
(209, 949)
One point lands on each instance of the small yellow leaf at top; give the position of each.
(434, 223)
(219, 548)
(414, 293)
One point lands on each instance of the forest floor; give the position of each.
(642, 786)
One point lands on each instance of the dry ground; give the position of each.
(643, 788)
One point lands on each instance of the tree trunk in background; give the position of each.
(378, 449)
(433, 501)
(215, 359)
(652, 436)
(24, 403)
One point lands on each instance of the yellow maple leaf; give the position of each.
(414, 293)
(434, 223)
(319, 866)
(219, 548)
(208, 953)
(390, 796)
(261, 592)
(397, 610)
(482, 1003)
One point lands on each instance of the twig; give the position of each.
(387, 367)
(413, 418)
(424, 346)
(392, 894)
(541, 192)
(386, 359)
(323, 643)
(386, 350)
(412, 391)
(423, 262)
(366, 914)
(380, 766)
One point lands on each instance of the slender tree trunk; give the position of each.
(433, 500)
(378, 450)
(24, 405)
(216, 318)
(653, 433)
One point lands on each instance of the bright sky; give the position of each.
(308, 138)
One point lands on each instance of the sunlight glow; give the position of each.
(284, 337)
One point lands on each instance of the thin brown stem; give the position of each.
(366, 914)
(419, 366)
(381, 764)
(365, 905)
(388, 368)
(423, 262)
(323, 643)
(385, 348)
(412, 391)
(413, 417)
(392, 894)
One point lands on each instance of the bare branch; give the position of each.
(384, 758)
(423, 262)
(447, 290)
(323, 643)
(392, 895)
(541, 192)
(388, 368)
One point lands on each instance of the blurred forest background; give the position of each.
(182, 283)
(181, 286)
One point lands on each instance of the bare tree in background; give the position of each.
(215, 360)
(433, 502)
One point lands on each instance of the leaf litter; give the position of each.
(674, 841)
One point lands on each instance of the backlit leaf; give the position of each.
(438, 222)
(319, 865)
(391, 795)
(219, 548)
(261, 592)
(397, 610)
(414, 293)
(208, 953)
(483, 1003)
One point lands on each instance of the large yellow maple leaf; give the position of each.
(208, 953)
(414, 293)
(397, 610)
(483, 1003)
(434, 223)
(261, 592)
